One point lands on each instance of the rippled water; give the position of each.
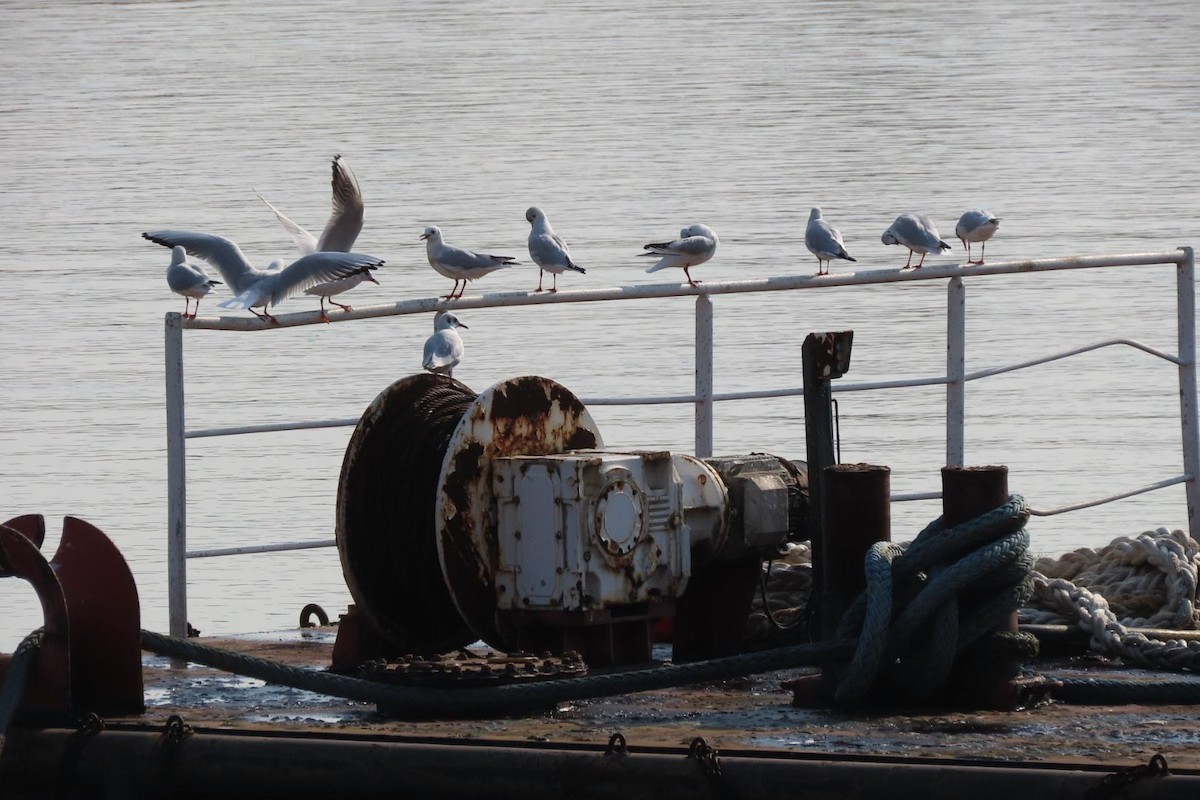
(624, 121)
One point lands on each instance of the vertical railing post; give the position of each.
(176, 480)
(1185, 299)
(956, 370)
(704, 376)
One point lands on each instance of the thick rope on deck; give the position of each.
(926, 603)
(411, 701)
(953, 587)
(1144, 581)
(1148, 581)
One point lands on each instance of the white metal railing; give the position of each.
(955, 379)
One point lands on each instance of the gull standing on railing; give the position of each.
(918, 234)
(976, 226)
(342, 229)
(459, 264)
(695, 245)
(443, 350)
(824, 241)
(547, 249)
(189, 280)
(257, 288)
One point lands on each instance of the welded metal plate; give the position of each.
(529, 415)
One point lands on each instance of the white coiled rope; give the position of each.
(1147, 581)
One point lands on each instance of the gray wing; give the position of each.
(319, 267)
(305, 242)
(346, 220)
(442, 349)
(548, 249)
(821, 238)
(222, 253)
(181, 277)
(690, 245)
(458, 258)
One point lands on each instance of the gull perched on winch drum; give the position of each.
(824, 241)
(918, 234)
(976, 225)
(341, 231)
(695, 245)
(547, 249)
(459, 264)
(444, 349)
(189, 280)
(257, 288)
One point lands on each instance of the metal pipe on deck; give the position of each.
(985, 681)
(176, 478)
(858, 514)
(956, 369)
(1185, 294)
(704, 376)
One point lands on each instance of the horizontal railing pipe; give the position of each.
(261, 548)
(754, 394)
(272, 427)
(426, 305)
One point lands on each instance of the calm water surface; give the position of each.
(624, 121)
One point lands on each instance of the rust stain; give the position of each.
(520, 398)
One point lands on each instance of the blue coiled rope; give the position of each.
(961, 583)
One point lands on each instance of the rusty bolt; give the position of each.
(587, 555)
(525, 600)
(701, 479)
(516, 534)
(558, 535)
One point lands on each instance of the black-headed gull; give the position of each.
(976, 225)
(547, 248)
(917, 233)
(257, 288)
(695, 245)
(444, 349)
(341, 231)
(824, 242)
(189, 280)
(459, 264)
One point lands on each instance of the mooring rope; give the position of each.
(963, 581)
(1108, 592)
(507, 699)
